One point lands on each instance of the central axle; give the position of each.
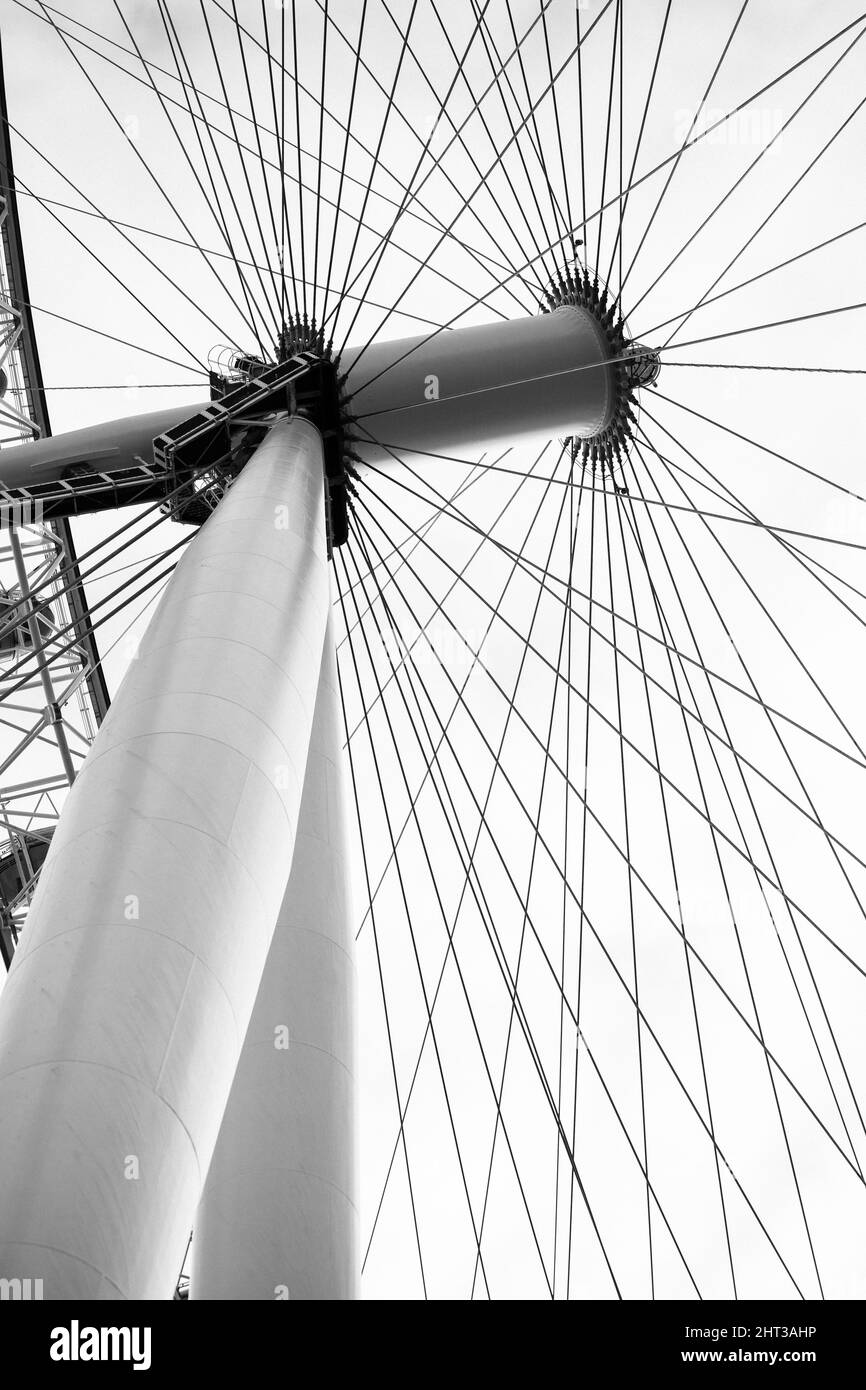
(570, 373)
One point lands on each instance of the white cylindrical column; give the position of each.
(124, 1013)
(527, 380)
(279, 1214)
(455, 391)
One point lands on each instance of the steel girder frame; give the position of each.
(35, 771)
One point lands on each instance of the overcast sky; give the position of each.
(781, 633)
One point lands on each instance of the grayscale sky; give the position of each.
(777, 629)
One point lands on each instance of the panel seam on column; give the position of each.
(67, 1254)
(105, 1066)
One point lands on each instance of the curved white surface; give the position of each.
(127, 1003)
(525, 381)
(279, 1214)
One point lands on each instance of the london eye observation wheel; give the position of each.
(432, 605)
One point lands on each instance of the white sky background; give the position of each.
(812, 418)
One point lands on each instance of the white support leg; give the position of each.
(123, 1016)
(279, 1214)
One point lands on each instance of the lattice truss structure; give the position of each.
(47, 668)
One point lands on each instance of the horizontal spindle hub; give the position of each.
(633, 364)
